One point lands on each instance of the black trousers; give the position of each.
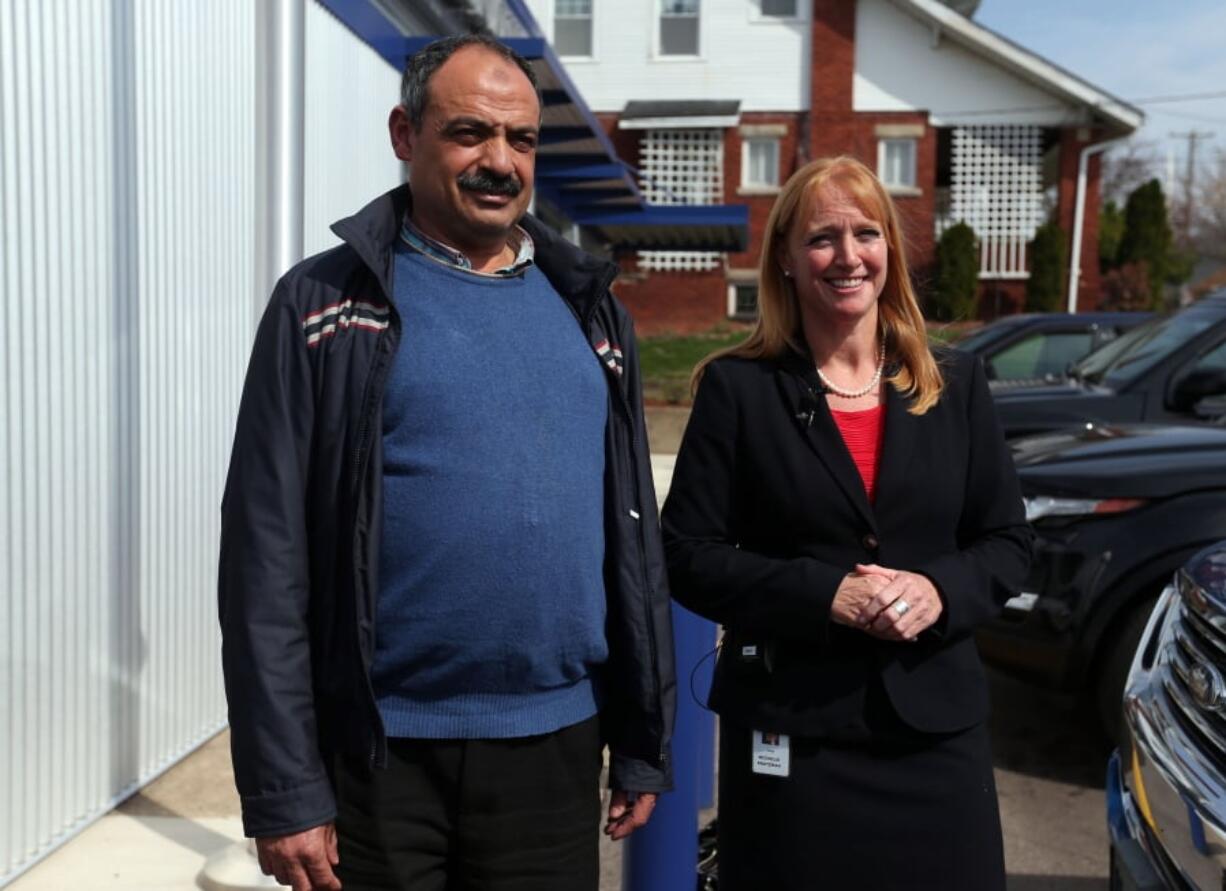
(474, 815)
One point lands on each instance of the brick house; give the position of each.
(719, 101)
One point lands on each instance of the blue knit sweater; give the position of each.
(490, 618)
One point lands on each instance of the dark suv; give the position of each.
(1035, 348)
(1166, 787)
(1116, 510)
(1165, 370)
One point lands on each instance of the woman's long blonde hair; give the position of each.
(902, 324)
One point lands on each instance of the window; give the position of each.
(1207, 398)
(1214, 360)
(760, 162)
(679, 27)
(743, 300)
(1040, 356)
(896, 163)
(572, 27)
(779, 9)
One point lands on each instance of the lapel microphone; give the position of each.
(808, 404)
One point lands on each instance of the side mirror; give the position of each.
(1195, 386)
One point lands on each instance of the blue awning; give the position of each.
(656, 227)
(577, 169)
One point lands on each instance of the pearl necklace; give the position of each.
(863, 391)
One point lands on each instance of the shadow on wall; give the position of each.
(128, 648)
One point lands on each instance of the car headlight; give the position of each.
(1040, 506)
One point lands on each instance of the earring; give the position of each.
(787, 273)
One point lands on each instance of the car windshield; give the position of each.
(1138, 350)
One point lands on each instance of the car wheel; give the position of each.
(1118, 649)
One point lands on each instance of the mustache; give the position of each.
(488, 183)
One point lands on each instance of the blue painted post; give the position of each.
(706, 735)
(663, 855)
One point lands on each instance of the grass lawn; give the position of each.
(668, 360)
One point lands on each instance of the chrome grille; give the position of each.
(1195, 678)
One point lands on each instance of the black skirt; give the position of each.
(906, 812)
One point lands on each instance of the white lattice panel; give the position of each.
(681, 167)
(996, 189)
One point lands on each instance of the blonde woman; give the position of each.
(844, 505)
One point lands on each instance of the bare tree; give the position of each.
(1211, 208)
(1126, 167)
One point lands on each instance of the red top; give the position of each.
(862, 434)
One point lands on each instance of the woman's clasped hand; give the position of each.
(891, 604)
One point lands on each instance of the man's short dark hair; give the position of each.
(423, 63)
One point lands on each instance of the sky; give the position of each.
(1133, 50)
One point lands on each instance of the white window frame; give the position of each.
(749, 187)
(798, 15)
(657, 43)
(591, 23)
(899, 188)
(733, 284)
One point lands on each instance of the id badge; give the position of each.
(770, 754)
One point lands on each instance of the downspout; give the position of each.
(1079, 213)
(280, 115)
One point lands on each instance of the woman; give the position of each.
(844, 505)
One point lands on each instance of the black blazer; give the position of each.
(767, 514)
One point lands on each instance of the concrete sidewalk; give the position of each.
(161, 838)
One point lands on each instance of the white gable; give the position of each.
(905, 64)
(762, 63)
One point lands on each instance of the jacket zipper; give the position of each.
(360, 458)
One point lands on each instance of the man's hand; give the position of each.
(908, 604)
(302, 861)
(627, 815)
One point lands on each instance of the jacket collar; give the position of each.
(579, 277)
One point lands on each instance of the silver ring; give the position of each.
(901, 606)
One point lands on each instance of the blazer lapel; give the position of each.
(898, 441)
(807, 403)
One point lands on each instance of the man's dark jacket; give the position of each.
(301, 517)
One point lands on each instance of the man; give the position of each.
(441, 586)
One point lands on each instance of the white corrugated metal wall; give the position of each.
(127, 203)
(126, 138)
(348, 158)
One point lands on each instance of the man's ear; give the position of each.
(400, 128)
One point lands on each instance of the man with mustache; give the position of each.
(441, 582)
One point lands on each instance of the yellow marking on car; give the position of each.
(1139, 793)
